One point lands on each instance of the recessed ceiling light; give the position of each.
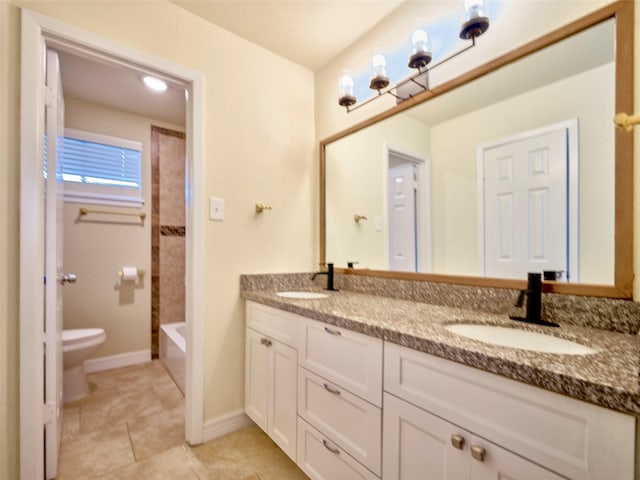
(155, 84)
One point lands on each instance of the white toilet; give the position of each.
(77, 346)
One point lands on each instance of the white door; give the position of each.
(526, 205)
(402, 218)
(54, 132)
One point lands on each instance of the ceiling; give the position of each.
(120, 88)
(307, 32)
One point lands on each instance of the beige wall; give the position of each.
(258, 148)
(96, 249)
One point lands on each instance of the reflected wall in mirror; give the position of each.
(519, 170)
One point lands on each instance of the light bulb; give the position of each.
(473, 9)
(346, 85)
(476, 21)
(419, 40)
(379, 79)
(421, 56)
(379, 63)
(155, 84)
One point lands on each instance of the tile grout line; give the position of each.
(133, 451)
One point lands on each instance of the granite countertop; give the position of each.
(608, 378)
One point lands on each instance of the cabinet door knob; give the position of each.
(479, 453)
(457, 441)
(331, 389)
(330, 448)
(332, 332)
(265, 341)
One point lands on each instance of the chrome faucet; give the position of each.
(534, 302)
(329, 274)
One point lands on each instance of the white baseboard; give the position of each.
(224, 424)
(117, 361)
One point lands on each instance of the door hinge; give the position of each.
(48, 413)
(49, 97)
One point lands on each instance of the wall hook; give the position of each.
(626, 122)
(357, 217)
(261, 207)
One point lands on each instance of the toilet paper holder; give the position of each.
(140, 273)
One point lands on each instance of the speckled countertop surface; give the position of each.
(608, 378)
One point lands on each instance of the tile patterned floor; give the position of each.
(131, 426)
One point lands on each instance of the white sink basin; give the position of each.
(516, 338)
(303, 295)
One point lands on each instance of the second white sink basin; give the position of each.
(302, 295)
(522, 339)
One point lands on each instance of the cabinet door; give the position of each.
(418, 445)
(321, 459)
(256, 393)
(501, 464)
(282, 409)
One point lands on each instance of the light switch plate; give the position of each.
(216, 209)
(378, 222)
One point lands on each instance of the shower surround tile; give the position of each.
(168, 230)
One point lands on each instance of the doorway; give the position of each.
(38, 33)
(408, 208)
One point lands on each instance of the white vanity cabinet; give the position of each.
(339, 403)
(271, 374)
(434, 406)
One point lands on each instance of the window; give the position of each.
(100, 169)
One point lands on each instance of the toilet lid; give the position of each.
(77, 335)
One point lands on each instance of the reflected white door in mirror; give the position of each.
(528, 203)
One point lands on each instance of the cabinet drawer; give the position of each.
(277, 324)
(320, 459)
(349, 359)
(573, 438)
(350, 422)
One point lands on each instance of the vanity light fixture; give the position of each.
(476, 22)
(154, 83)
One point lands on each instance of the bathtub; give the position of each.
(173, 346)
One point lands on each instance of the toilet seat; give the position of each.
(81, 337)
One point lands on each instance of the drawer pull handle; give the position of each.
(265, 341)
(479, 453)
(331, 389)
(333, 450)
(457, 441)
(332, 332)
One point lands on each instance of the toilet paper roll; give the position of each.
(129, 274)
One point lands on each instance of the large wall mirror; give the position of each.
(514, 167)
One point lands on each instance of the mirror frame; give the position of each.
(622, 11)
